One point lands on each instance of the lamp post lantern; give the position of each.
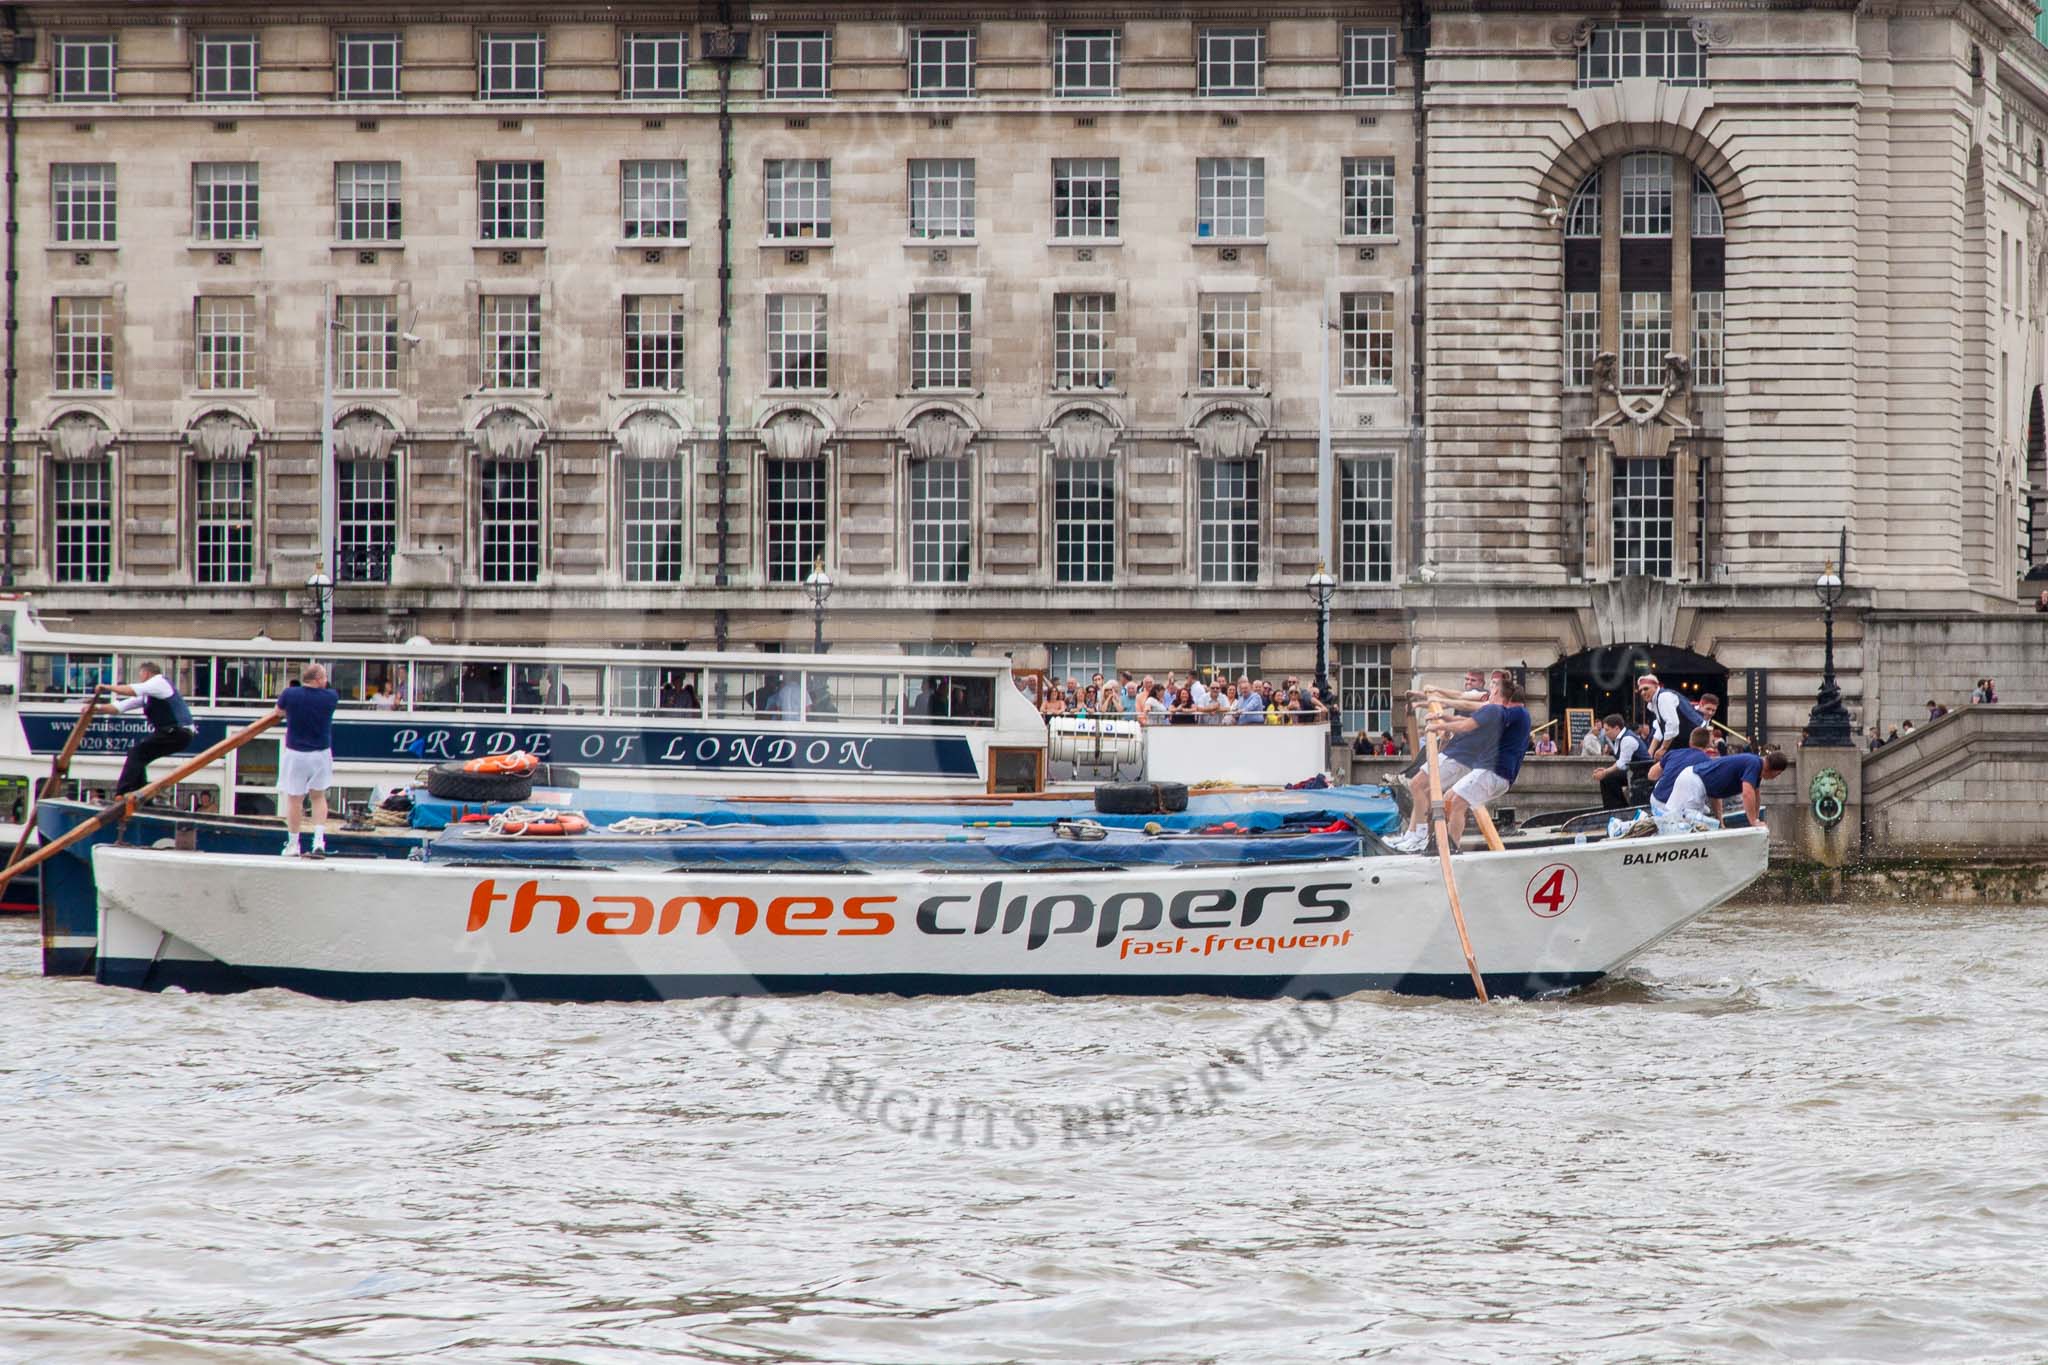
(320, 587)
(1322, 587)
(1829, 725)
(818, 587)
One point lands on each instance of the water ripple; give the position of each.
(1804, 1132)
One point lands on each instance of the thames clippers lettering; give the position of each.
(525, 908)
(787, 916)
(1071, 912)
(1662, 855)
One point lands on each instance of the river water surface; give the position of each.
(1811, 1133)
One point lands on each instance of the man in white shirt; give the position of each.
(1672, 717)
(1625, 747)
(170, 723)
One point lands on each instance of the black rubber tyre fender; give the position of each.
(1141, 798)
(1127, 798)
(556, 775)
(449, 782)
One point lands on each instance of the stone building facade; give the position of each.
(1024, 326)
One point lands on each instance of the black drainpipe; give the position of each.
(726, 48)
(1415, 38)
(15, 48)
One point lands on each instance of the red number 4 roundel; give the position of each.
(1552, 891)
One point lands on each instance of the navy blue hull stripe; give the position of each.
(218, 977)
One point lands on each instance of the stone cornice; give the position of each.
(1989, 21)
(253, 13)
(1679, 9)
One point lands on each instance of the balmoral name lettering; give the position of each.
(1662, 855)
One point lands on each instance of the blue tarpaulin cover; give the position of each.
(1368, 807)
(787, 848)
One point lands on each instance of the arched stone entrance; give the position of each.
(1604, 679)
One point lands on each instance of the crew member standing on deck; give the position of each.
(1491, 774)
(170, 723)
(1465, 765)
(307, 765)
(1672, 717)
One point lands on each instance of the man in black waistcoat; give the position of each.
(170, 723)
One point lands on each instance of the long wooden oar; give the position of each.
(1443, 853)
(59, 766)
(124, 806)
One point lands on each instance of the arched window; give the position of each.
(1644, 326)
(1629, 224)
(509, 497)
(79, 492)
(1584, 219)
(223, 499)
(365, 498)
(653, 478)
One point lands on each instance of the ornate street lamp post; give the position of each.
(1322, 587)
(818, 587)
(1829, 725)
(320, 588)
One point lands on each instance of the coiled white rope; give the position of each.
(647, 824)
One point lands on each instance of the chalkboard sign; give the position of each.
(1578, 723)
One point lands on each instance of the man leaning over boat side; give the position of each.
(1471, 765)
(1705, 786)
(170, 723)
(306, 767)
(1664, 772)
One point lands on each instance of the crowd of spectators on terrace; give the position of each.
(1187, 700)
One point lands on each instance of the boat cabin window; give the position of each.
(13, 798)
(191, 674)
(256, 766)
(361, 682)
(579, 688)
(656, 689)
(756, 693)
(196, 798)
(251, 679)
(434, 684)
(64, 675)
(542, 687)
(949, 697)
(852, 696)
(6, 634)
(484, 686)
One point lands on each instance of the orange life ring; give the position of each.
(516, 762)
(568, 822)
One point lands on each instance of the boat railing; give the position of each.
(428, 688)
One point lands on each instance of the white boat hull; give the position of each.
(1540, 920)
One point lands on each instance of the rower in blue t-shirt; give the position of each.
(1481, 759)
(1666, 770)
(1714, 781)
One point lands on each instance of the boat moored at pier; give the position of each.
(649, 720)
